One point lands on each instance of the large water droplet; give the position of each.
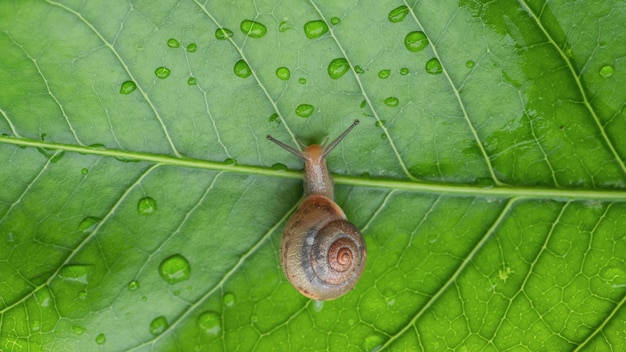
(392, 101)
(101, 339)
(128, 87)
(315, 29)
(383, 74)
(209, 322)
(415, 41)
(88, 224)
(229, 299)
(242, 69)
(146, 206)
(158, 325)
(223, 33)
(175, 269)
(283, 73)
(338, 67)
(305, 110)
(191, 48)
(607, 71)
(76, 273)
(433, 66)
(398, 14)
(173, 43)
(162, 72)
(253, 29)
(133, 285)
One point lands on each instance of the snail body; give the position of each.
(322, 254)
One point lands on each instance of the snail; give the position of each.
(321, 253)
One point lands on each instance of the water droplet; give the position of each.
(242, 69)
(279, 167)
(97, 146)
(283, 73)
(358, 69)
(175, 269)
(274, 117)
(383, 136)
(607, 71)
(43, 298)
(433, 66)
(338, 67)
(88, 224)
(383, 74)
(191, 81)
(302, 80)
(158, 325)
(335, 20)
(173, 43)
(146, 206)
(253, 29)
(101, 339)
(84, 171)
(363, 104)
(128, 87)
(392, 101)
(223, 33)
(351, 321)
(35, 325)
(133, 285)
(469, 64)
(230, 161)
(76, 273)
(404, 71)
(284, 26)
(315, 29)
(210, 323)
(398, 14)
(229, 299)
(78, 330)
(305, 110)
(380, 123)
(162, 72)
(82, 295)
(191, 48)
(144, 298)
(372, 342)
(415, 41)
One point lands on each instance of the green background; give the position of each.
(487, 174)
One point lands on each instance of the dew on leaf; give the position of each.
(380, 123)
(88, 224)
(338, 67)
(78, 330)
(35, 325)
(284, 26)
(372, 343)
(607, 71)
(173, 43)
(158, 325)
(358, 69)
(146, 206)
(223, 33)
(283, 73)
(209, 322)
(305, 110)
(191, 81)
(229, 299)
(242, 69)
(76, 273)
(433, 66)
(335, 20)
(315, 29)
(133, 285)
(398, 14)
(43, 298)
(363, 104)
(415, 41)
(191, 48)
(274, 117)
(391, 101)
(383, 136)
(253, 29)
(84, 171)
(82, 295)
(302, 80)
(404, 71)
(469, 64)
(383, 74)
(101, 339)
(162, 72)
(230, 161)
(279, 167)
(128, 87)
(175, 269)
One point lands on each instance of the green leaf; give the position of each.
(142, 208)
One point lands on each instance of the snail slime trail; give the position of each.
(321, 253)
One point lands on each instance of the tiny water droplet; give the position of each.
(173, 43)
(350, 321)
(302, 80)
(372, 343)
(358, 69)
(242, 69)
(158, 325)
(101, 339)
(223, 33)
(128, 87)
(162, 72)
(338, 67)
(433, 66)
(191, 48)
(209, 322)
(315, 29)
(78, 330)
(398, 14)
(274, 117)
(335, 20)
(82, 295)
(144, 298)
(283, 73)
(607, 71)
(43, 298)
(383, 74)
(97, 146)
(84, 171)
(380, 123)
(279, 167)
(36, 325)
(230, 161)
(175, 269)
(404, 71)
(76, 273)
(146, 206)
(229, 299)
(415, 41)
(392, 101)
(383, 136)
(469, 64)
(88, 224)
(284, 26)
(305, 110)
(191, 81)
(253, 29)
(133, 285)
(363, 104)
